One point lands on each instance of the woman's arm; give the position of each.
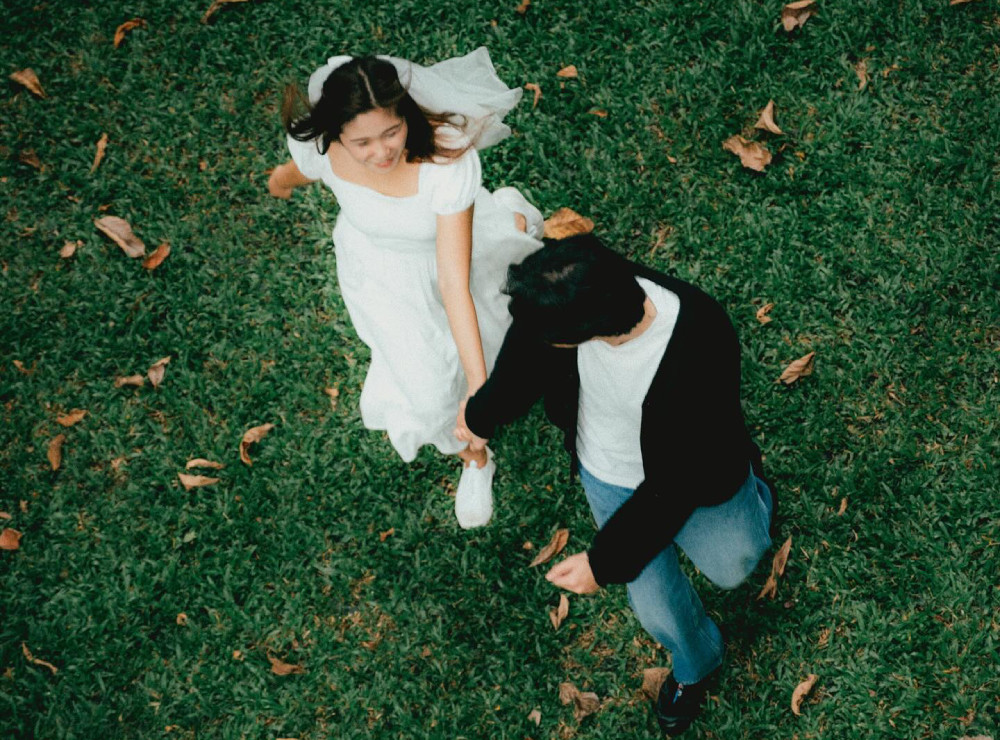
(284, 178)
(454, 260)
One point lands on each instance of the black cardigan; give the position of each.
(695, 447)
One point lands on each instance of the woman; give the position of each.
(422, 248)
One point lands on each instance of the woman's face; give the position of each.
(375, 139)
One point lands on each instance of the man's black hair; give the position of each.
(573, 290)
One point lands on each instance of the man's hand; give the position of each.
(574, 574)
(463, 433)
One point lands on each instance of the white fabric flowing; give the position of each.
(386, 258)
(467, 86)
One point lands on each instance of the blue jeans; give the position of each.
(724, 542)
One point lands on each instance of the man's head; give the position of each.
(573, 290)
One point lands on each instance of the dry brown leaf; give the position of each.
(32, 659)
(567, 692)
(10, 539)
(200, 462)
(238, 655)
(652, 680)
(843, 506)
(157, 370)
(195, 481)
(54, 453)
(22, 369)
(535, 716)
(24, 506)
(794, 15)
(333, 393)
(765, 120)
(216, 4)
(523, 7)
(119, 231)
(125, 27)
(5, 515)
(31, 159)
(777, 570)
(536, 90)
(555, 546)
(584, 702)
(156, 258)
(252, 435)
(282, 668)
(800, 693)
(182, 619)
(73, 417)
(961, 2)
(824, 638)
(861, 70)
(762, 313)
(753, 156)
(69, 249)
(102, 144)
(29, 79)
(568, 72)
(567, 222)
(558, 614)
(136, 380)
(598, 112)
(383, 536)
(797, 369)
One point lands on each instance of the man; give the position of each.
(641, 371)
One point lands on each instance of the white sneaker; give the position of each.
(512, 199)
(474, 498)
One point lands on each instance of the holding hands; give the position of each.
(462, 431)
(574, 574)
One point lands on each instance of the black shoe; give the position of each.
(678, 704)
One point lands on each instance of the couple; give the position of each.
(640, 370)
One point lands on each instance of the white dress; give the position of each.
(386, 266)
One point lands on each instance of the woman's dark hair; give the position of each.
(573, 290)
(358, 86)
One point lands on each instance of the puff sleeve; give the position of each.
(307, 158)
(456, 184)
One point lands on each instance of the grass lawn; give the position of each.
(874, 232)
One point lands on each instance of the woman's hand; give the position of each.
(285, 178)
(574, 574)
(462, 431)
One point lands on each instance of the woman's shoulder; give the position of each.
(453, 181)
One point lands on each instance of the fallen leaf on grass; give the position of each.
(523, 7)
(157, 370)
(535, 716)
(31, 159)
(281, 668)
(10, 539)
(843, 506)
(32, 659)
(29, 79)
(125, 27)
(861, 70)
(794, 15)
(195, 481)
(73, 417)
(558, 614)
(136, 380)
(536, 90)
(584, 702)
(182, 620)
(69, 249)
(383, 536)
(762, 313)
(54, 453)
(765, 120)
(216, 4)
(797, 369)
(777, 570)
(200, 462)
(23, 506)
(800, 693)
(102, 144)
(119, 231)
(568, 72)
(22, 369)
(598, 112)
(333, 393)
(252, 435)
(156, 258)
(961, 2)
(555, 546)
(238, 655)
(567, 222)
(752, 155)
(5, 515)
(652, 680)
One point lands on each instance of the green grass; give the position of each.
(875, 233)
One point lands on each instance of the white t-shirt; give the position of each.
(613, 384)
